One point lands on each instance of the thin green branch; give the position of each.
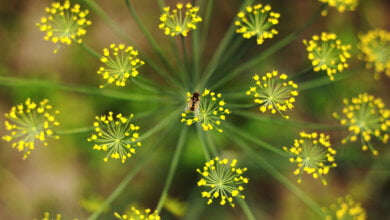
(210, 69)
(210, 144)
(271, 50)
(285, 122)
(315, 83)
(259, 159)
(201, 136)
(149, 37)
(235, 132)
(90, 50)
(22, 82)
(75, 131)
(245, 209)
(173, 167)
(101, 13)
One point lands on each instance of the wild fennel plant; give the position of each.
(171, 80)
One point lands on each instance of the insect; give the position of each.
(193, 103)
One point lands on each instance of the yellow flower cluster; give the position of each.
(30, 122)
(224, 179)
(181, 20)
(313, 155)
(257, 21)
(135, 214)
(121, 63)
(209, 113)
(274, 92)
(327, 53)
(365, 116)
(115, 135)
(375, 48)
(64, 23)
(341, 5)
(345, 208)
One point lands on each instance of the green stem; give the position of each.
(220, 50)
(172, 169)
(210, 144)
(21, 82)
(149, 37)
(90, 50)
(145, 86)
(99, 11)
(245, 209)
(187, 73)
(203, 142)
(161, 125)
(75, 131)
(325, 80)
(233, 131)
(270, 51)
(285, 122)
(258, 158)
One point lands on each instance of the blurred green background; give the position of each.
(68, 177)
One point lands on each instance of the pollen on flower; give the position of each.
(223, 179)
(273, 92)
(257, 21)
(366, 117)
(135, 214)
(341, 5)
(46, 216)
(327, 53)
(345, 208)
(120, 63)
(210, 112)
(179, 20)
(29, 123)
(375, 48)
(313, 154)
(115, 135)
(64, 23)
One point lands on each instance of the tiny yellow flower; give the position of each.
(224, 180)
(135, 214)
(367, 117)
(375, 48)
(340, 5)
(180, 20)
(64, 23)
(209, 110)
(120, 63)
(327, 53)
(313, 155)
(28, 123)
(115, 135)
(257, 21)
(273, 92)
(46, 216)
(345, 208)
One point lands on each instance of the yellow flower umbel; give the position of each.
(121, 62)
(274, 92)
(327, 53)
(46, 216)
(375, 48)
(28, 123)
(345, 209)
(135, 214)
(341, 5)
(224, 180)
(64, 23)
(313, 155)
(115, 135)
(257, 21)
(181, 20)
(209, 112)
(366, 117)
